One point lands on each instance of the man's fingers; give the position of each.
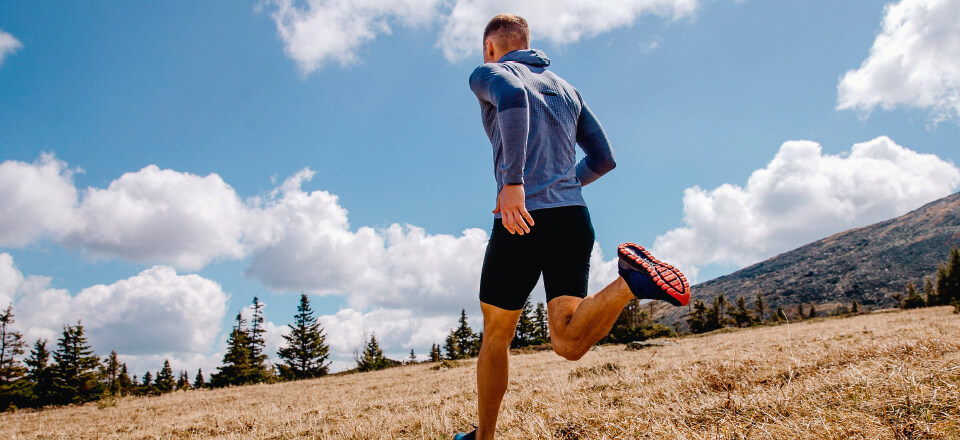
(507, 223)
(527, 216)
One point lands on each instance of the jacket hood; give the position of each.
(531, 57)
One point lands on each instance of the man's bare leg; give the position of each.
(576, 324)
(499, 326)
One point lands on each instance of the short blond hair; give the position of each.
(508, 30)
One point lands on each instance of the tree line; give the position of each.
(73, 373)
(945, 291)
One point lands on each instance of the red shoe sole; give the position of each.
(667, 277)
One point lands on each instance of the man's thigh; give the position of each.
(510, 268)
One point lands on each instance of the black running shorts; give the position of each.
(558, 246)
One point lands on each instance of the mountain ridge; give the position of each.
(867, 264)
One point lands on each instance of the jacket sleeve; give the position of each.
(598, 159)
(493, 84)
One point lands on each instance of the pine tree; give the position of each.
(13, 391)
(236, 368)
(147, 386)
(913, 300)
(697, 319)
(413, 356)
(435, 355)
(124, 381)
(951, 283)
(306, 352)
(855, 308)
(929, 293)
(741, 315)
(75, 373)
(526, 329)
(799, 312)
(760, 306)
(468, 341)
(198, 381)
(451, 347)
(183, 382)
(258, 359)
(40, 374)
(813, 311)
(111, 373)
(165, 380)
(780, 315)
(541, 325)
(372, 357)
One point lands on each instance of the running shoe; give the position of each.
(650, 278)
(470, 436)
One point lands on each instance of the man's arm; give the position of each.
(505, 92)
(593, 140)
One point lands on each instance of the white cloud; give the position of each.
(8, 45)
(38, 199)
(155, 311)
(803, 195)
(316, 32)
(312, 248)
(163, 216)
(914, 62)
(557, 21)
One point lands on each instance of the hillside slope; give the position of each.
(864, 264)
(879, 376)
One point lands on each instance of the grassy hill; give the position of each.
(877, 376)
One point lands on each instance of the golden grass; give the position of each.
(879, 376)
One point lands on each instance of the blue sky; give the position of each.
(733, 122)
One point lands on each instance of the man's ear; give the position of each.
(489, 49)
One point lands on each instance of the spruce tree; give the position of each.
(165, 380)
(467, 340)
(40, 374)
(526, 328)
(951, 283)
(929, 293)
(258, 359)
(760, 306)
(435, 355)
(855, 308)
(147, 386)
(124, 381)
(799, 312)
(198, 381)
(452, 347)
(813, 311)
(372, 357)
(741, 315)
(913, 300)
(183, 382)
(13, 391)
(413, 356)
(541, 325)
(780, 315)
(236, 368)
(306, 352)
(697, 319)
(75, 373)
(111, 373)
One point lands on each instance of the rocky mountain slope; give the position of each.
(866, 264)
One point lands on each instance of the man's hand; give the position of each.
(513, 210)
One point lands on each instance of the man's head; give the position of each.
(504, 33)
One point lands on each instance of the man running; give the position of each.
(534, 120)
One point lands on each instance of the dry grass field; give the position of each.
(879, 376)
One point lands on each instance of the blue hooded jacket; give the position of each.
(534, 120)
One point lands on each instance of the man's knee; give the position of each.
(569, 350)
